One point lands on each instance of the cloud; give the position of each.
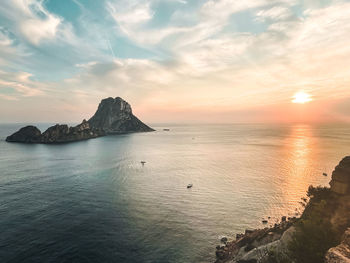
(5, 40)
(199, 61)
(20, 85)
(36, 30)
(260, 69)
(33, 21)
(274, 13)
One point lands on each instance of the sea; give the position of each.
(94, 201)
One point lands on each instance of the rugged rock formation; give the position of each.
(28, 134)
(341, 177)
(340, 253)
(63, 133)
(115, 116)
(112, 116)
(55, 134)
(254, 246)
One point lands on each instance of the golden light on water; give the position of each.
(301, 97)
(300, 152)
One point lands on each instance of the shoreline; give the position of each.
(253, 239)
(320, 234)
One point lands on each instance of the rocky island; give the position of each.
(321, 234)
(113, 116)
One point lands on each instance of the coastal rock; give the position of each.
(224, 240)
(254, 244)
(115, 116)
(112, 116)
(63, 133)
(340, 182)
(340, 253)
(28, 134)
(55, 134)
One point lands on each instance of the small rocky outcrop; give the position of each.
(340, 253)
(340, 182)
(115, 116)
(28, 134)
(112, 116)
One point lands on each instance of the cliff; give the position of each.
(321, 234)
(113, 116)
(340, 253)
(63, 133)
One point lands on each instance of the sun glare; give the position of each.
(301, 97)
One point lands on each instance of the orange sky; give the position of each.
(192, 65)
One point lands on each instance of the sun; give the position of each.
(301, 97)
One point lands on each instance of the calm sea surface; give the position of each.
(93, 201)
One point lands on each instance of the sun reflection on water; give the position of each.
(299, 146)
(297, 154)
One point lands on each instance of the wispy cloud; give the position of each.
(199, 56)
(20, 84)
(33, 21)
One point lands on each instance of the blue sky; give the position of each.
(178, 59)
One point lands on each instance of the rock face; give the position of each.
(115, 116)
(340, 182)
(253, 245)
(55, 134)
(112, 116)
(28, 134)
(63, 133)
(340, 253)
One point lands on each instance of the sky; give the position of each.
(175, 60)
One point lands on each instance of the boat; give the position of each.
(143, 162)
(189, 186)
(325, 174)
(166, 129)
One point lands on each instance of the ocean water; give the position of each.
(93, 201)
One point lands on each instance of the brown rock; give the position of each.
(341, 177)
(340, 253)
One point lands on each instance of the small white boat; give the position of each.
(189, 185)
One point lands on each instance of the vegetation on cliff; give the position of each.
(315, 233)
(320, 227)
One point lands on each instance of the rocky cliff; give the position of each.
(341, 177)
(113, 116)
(63, 133)
(56, 134)
(340, 253)
(321, 234)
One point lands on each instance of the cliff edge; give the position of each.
(320, 234)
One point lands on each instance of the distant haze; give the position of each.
(175, 60)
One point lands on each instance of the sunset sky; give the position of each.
(176, 60)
